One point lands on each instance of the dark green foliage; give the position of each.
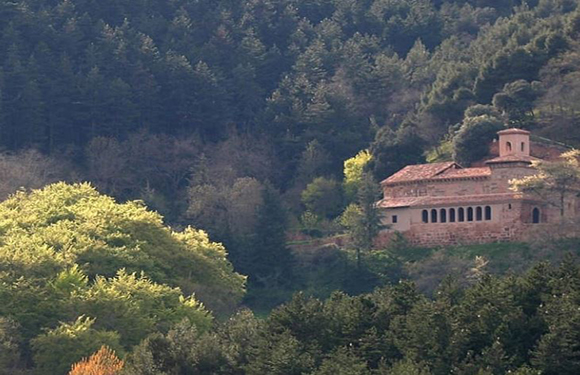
(516, 101)
(323, 197)
(515, 324)
(271, 258)
(471, 143)
(392, 151)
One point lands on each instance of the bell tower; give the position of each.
(514, 142)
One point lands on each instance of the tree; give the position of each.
(68, 250)
(393, 150)
(10, 344)
(516, 101)
(103, 362)
(323, 197)
(471, 143)
(222, 351)
(59, 348)
(271, 258)
(354, 169)
(342, 362)
(554, 182)
(362, 220)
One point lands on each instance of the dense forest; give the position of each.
(256, 126)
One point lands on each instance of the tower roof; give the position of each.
(513, 131)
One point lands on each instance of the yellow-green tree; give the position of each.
(67, 251)
(354, 169)
(554, 182)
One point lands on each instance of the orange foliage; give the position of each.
(103, 362)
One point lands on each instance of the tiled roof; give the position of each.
(456, 200)
(513, 131)
(399, 202)
(512, 159)
(419, 172)
(435, 171)
(464, 172)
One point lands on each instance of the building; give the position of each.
(446, 204)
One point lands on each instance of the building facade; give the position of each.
(446, 204)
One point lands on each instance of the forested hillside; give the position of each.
(267, 124)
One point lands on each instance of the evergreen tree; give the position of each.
(271, 260)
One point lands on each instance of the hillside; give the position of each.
(265, 125)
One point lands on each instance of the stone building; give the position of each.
(446, 204)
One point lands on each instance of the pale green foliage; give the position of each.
(136, 307)
(353, 172)
(49, 230)
(70, 280)
(310, 223)
(554, 181)
(67, 250)
(56, 350)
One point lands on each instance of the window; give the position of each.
(443, 215)
(487, 213)
(452, 215)
(395, 219)
(510, 206)
(433, 216)
(461, 213)
(425, 216)
(523, 146)
(478, 214)
(536, 216)
(508, 146)
(470, 214)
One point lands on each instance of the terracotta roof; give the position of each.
(512, 159)
(399, 202)
(455, 200)
(419, 172)
(513, 131)
(464, 172)
(436, 171)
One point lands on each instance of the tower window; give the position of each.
(523, 146)
(536, 216)
(508, 146)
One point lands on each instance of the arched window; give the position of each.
(452, 215)
(479, 214)
(461, 213)
(443, 215)
(523, 146)
(470, 214)
(433, 216)
(508, 146)
(425, 216)
(487, 213)
(536, 216)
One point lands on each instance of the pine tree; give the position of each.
(272, 260)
